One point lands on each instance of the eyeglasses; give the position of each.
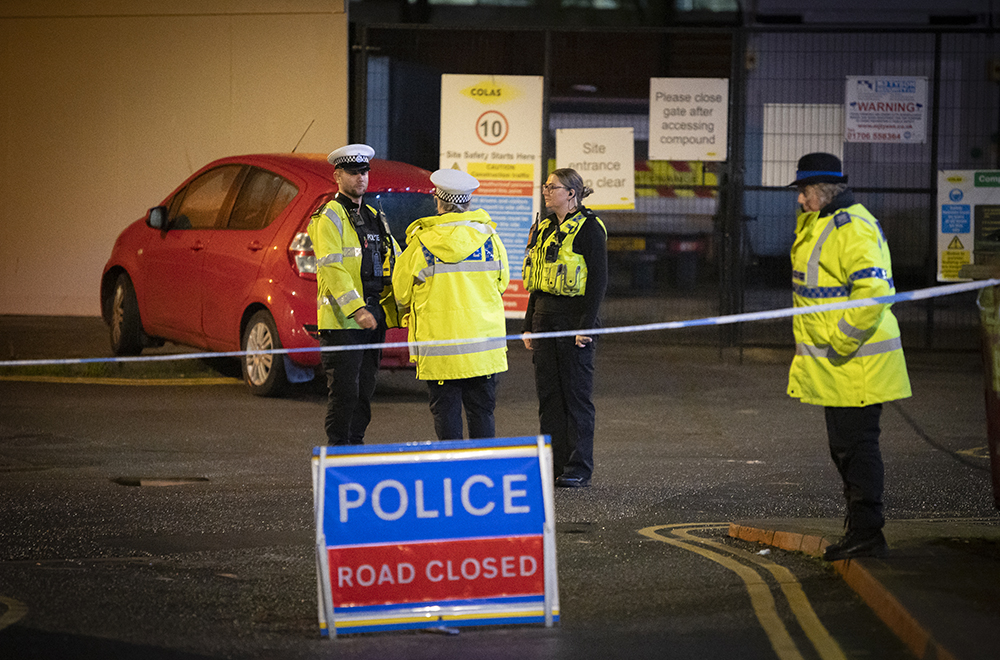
(547, 188)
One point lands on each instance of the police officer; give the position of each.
(354, 256)
(850, 361)
(566, 271)
(451, 276)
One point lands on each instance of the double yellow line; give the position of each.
(15, 610)
(761, 599)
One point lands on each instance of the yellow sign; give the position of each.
(489, 92)
(952, 262)
(956, 244)
(626, 243)
(502, 171)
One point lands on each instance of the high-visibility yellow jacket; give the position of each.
(337, 248)
(566, 275)
(850, 357)
(451, 276)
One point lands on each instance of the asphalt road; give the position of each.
(222, 564)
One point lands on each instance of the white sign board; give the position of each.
(491, 127)
(688, 118)
(890, 109)
(792, 130)
(605, 158)
(968, 219)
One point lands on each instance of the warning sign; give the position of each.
(968, 219)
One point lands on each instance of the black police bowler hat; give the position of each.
(819, 168)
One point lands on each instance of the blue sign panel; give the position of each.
(956, 218)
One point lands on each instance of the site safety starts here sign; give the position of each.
(435, 534)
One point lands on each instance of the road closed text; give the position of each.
(427, 571)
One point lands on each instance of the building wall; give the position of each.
(106, 106)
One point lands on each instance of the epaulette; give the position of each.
(841, 219)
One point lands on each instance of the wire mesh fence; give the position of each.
(674, 255)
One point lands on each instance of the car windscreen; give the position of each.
(402, 208)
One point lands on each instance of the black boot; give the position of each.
(862, 543)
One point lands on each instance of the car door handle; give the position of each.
(197, 246)
(254, 246)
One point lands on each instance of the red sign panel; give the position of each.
(437, 571)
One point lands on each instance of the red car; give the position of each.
(225, 263)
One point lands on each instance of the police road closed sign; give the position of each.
(444, 533)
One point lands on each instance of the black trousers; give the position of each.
(350, 381)
(853, 434)
(564, 380)
(478, 395)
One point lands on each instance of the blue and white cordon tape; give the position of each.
(919, 294)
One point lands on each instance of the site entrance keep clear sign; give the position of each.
(435, 534)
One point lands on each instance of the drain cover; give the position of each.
(158, 481)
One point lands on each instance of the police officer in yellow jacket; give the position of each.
(354, 255)
(566, 271)
(851, 360)
(451, 277)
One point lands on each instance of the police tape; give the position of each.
(909, 296)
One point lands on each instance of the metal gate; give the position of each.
(709, 239)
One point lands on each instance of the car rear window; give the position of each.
(198, 205)
(262, 198)
(402, 208)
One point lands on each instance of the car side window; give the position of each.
(263, 196)
(198, 205)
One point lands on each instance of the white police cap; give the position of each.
(454, 186)
(352, 157)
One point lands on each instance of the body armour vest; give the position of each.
(550, 264)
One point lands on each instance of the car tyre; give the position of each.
(125, 325)
(264, 374)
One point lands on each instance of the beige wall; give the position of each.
(106, 106)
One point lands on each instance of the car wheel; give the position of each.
(126, 328)
(264, 373)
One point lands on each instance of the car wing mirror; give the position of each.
(157, 218)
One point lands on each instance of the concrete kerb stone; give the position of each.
(886, 606)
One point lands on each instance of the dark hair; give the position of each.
(452, 207)
(571, 179)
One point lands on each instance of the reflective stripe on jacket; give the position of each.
(451, 276)
(339, 290)
(852, 357)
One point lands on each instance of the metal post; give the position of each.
(731, 281)
(359, 75)
(933, 206)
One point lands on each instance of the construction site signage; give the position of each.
(886, 109)
(491, 127)
(432, 535)
(968, 220)
(605, 158)
(688, 118)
